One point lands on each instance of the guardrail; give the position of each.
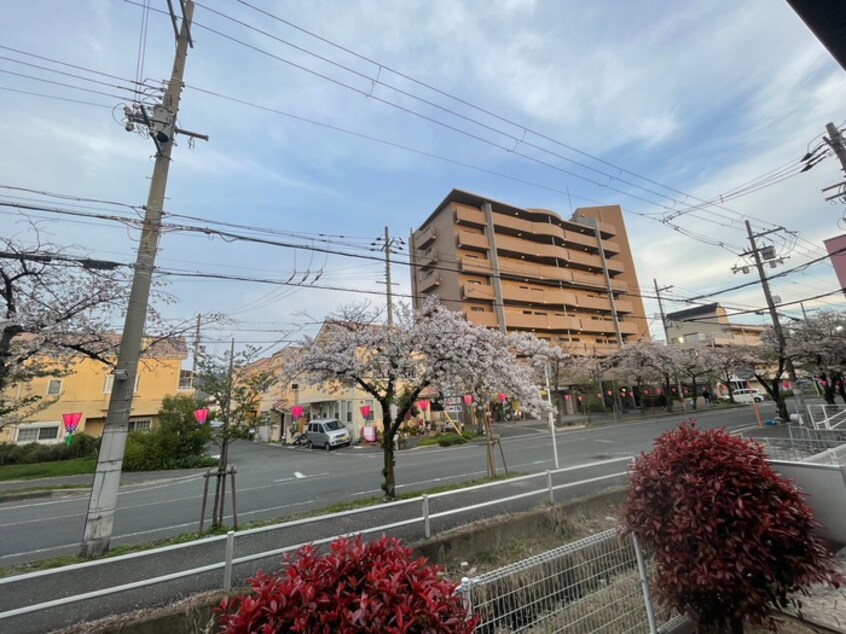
(414, 518)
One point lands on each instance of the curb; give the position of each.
(28, 494)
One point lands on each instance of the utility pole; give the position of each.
(835, 142)
(788, 362)
(386, 247)
(667, 338)
(162, 127)
(196, 349)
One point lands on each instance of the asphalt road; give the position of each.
(275, 481)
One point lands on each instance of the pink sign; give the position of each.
(468, 399)
(296, 412)
(201, 415)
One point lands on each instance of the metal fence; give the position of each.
(597, 584)
(825, 416)
(91, 590)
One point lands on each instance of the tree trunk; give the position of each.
(668, 394)
(781, 406)
(388, 434)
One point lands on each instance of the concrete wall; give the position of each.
(825, 488)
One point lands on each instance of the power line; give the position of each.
(66, 99)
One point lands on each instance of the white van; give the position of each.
(327, 433)
(747, 396)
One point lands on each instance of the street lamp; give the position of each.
(71, 422)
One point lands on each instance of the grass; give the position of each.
(66, 560)
(47, 469)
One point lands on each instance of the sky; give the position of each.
(329, 121)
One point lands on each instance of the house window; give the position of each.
(186, 380)
(37, 434)
(349, 411)
(143, 424)
(477, 309)
(110, 381)
(54, 387)
(295, 386)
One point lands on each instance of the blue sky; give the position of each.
(699, 96)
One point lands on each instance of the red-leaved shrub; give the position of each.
(357, 587)
(732, 539)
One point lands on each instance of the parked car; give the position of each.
(327, 433)
(747, 396)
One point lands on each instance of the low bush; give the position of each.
(446, 440)
(371, 588)
(732, 539)
(82, 446)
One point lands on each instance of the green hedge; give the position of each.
(82, 446)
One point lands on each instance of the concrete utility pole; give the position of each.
(667, 337)
(386, 247)
(788, 362)
(196, 350)
(101, 507)
(835, 142)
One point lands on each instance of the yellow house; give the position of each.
(85, 387)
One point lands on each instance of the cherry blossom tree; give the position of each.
(728, 360)
(695, 363)
(647, 360)
(56, 307)
(818, 344)
(431, 347)
(768, 362)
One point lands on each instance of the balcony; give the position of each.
(469, 216)
(514, 293)
(430, 259)
(599, 325)
(615, 266)
(628, 328)
(474, 265)
(526, 322)
(556, 322)
(593, 303)
(477, 291)
(610, 247)
(584, 258)
(425, 237)
(529, 247)
(487, 319)
(473, 241)
(624, 306)
(428, 282)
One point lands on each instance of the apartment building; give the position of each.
(709, 324)
(571, 282)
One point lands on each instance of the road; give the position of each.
(275, 481)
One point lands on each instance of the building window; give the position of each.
(186, 380)
(37, 434)
(54, 387)
(110, 381)
(349, 411)
(295, 386)
(477, 309)
(143, 424)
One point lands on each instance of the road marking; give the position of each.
(603, 440)
(298, 475)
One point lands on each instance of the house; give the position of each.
(84, 386)
(709, 324)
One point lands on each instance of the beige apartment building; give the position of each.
(570, 282)
(709, 324)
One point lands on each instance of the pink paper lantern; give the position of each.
(468, 399)
(296, 412)
(502, 397)
(581, 398)
(646, 392)
(201, 415)
(786, 385)
(423, 405)
(71, 421)
(566, 397)
(610, 392)
(599, 395)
